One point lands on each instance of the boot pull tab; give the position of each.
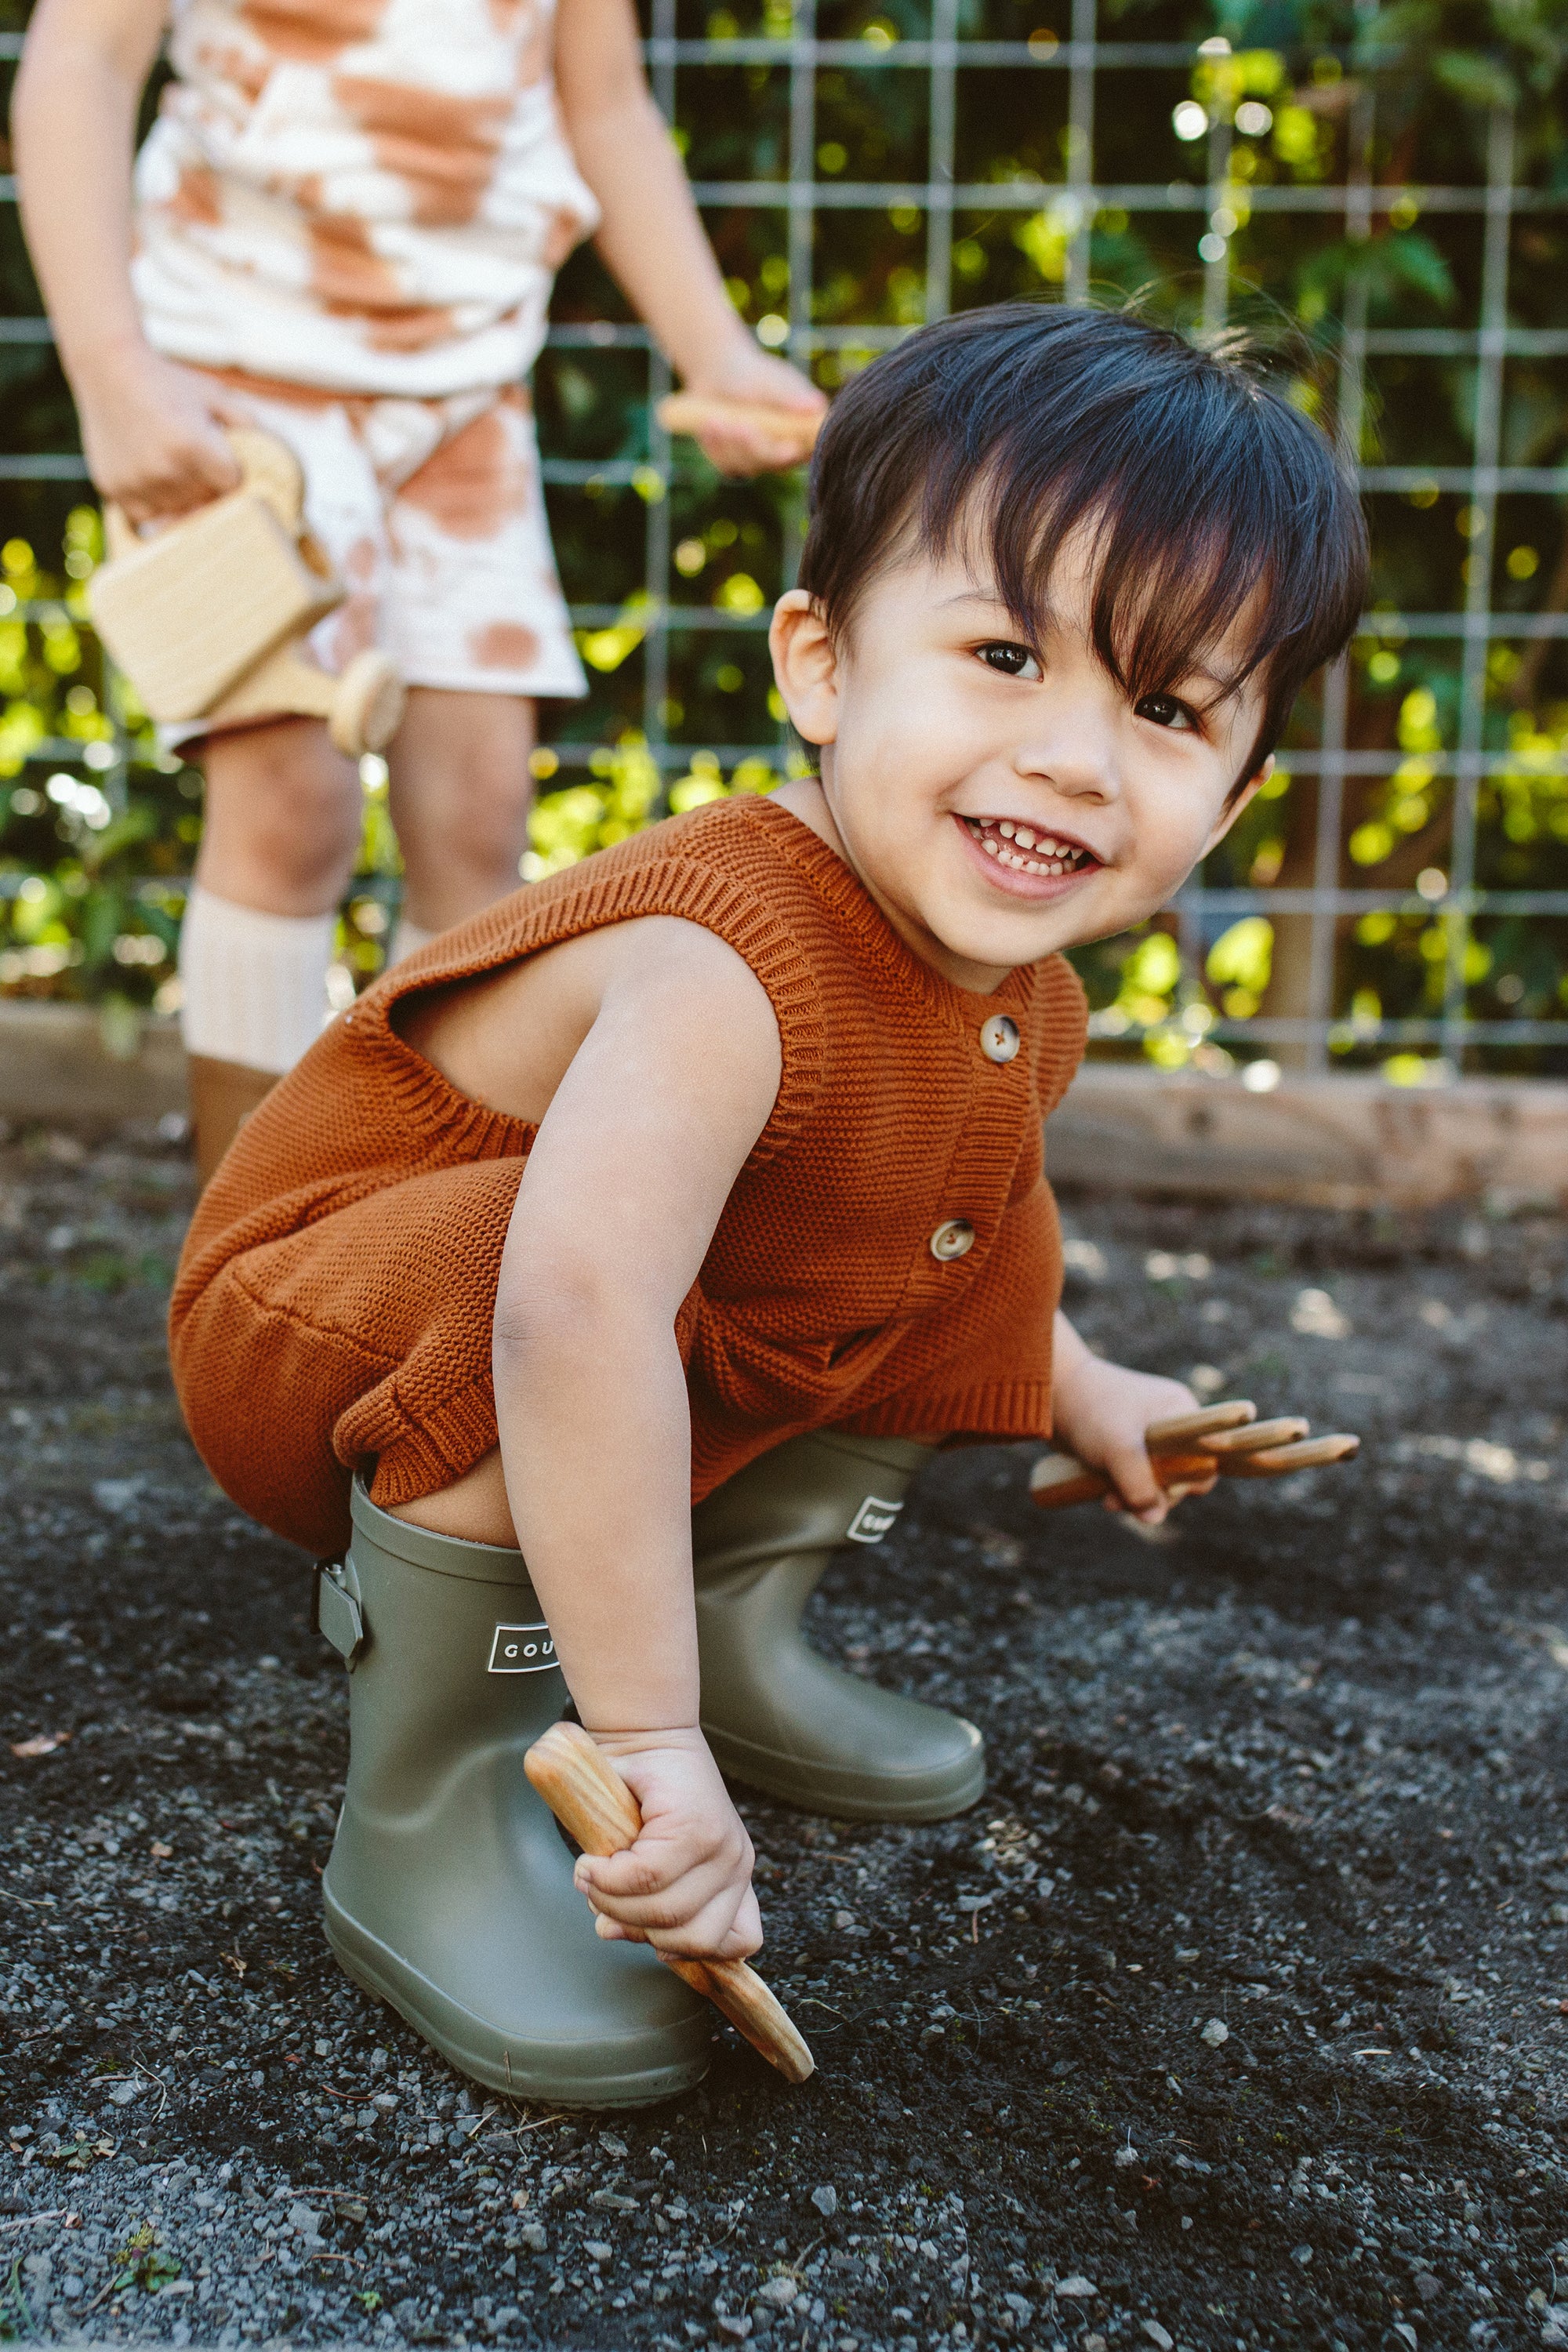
(335, 1613)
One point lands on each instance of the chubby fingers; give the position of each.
(1138, 1492)
(1135, 1488)
(703, 1915)
(682, 1886)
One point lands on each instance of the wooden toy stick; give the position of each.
(696, 412)
(593, 1804)
(1161, 1436)
(1257, 1436)
(1311, 1454)
(1059, 1480)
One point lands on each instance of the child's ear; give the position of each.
(1234, 808)
(805, 666)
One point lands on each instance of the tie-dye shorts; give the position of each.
(432, 512)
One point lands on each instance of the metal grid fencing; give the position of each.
(1011, 164)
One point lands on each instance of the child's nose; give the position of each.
(1077, 756)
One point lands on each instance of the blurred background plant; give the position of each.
(1222, 115)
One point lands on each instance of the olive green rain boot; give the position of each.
(449, 1890)
(776, 1716)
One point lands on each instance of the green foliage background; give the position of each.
(98, 830)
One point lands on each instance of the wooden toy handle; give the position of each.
(694, 412)
(593, 1804)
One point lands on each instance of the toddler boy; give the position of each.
(708, 1174)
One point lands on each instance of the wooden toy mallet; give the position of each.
(207, 617)
(594, 1805)
(1226, 1437)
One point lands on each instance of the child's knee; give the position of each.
(293, 798)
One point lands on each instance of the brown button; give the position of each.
(999, 1039)
(955, 1239)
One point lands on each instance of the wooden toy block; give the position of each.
(593, 1804)
(793, 432)
(204, 617)
(1227, 1439)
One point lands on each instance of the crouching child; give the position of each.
(620, 1254)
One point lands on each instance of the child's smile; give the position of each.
(1027, 859)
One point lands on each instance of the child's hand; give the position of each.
(152, 432)
(752, 446)
(686, 1885)
(1101, 1414)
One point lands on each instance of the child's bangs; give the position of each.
(1195, 573)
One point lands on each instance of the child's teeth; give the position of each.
(1023, 836)
(992, 850)
(1006, 830)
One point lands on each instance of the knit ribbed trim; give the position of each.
(838, 884)
(994, 1409)
(418, 1458)
(456, 1128)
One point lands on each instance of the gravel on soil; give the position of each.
(1236, 2014)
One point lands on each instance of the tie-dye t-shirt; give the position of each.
(364, 195)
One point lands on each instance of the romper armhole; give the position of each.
(739, 912)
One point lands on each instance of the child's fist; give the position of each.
(1102, 1412)
(746, 377)
(685, 1886)
(152, 435)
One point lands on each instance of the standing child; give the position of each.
(345, 227)
(710, 1172)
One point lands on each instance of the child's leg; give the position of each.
(460, 794)
(277, 848)
(775, 1714)
(449, 1890)
(282, 819)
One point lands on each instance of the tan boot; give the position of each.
(223, 1095)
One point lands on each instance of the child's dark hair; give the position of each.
(1211, 499)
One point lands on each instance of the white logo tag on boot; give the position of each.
(522, 1649)
(872, 1520)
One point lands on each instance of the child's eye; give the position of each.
(1165, 710)
(1011, 660)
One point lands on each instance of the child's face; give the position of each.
(1000, 798)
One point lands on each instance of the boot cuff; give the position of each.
(446, 1555)
(905, 1453)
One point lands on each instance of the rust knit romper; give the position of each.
(334, 1300)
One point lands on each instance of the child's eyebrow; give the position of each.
(992, 597)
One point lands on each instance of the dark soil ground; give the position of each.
(1235, 2015)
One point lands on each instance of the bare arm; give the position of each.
(149, 429)
(650, 235)
(625, 1185)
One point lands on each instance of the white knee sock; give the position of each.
(407, 940)
(253, 985)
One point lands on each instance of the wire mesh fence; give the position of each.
(1399, 898)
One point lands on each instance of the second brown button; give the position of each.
(953, 1239)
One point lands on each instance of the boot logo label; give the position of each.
(872, 1520)
(522, 1649)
